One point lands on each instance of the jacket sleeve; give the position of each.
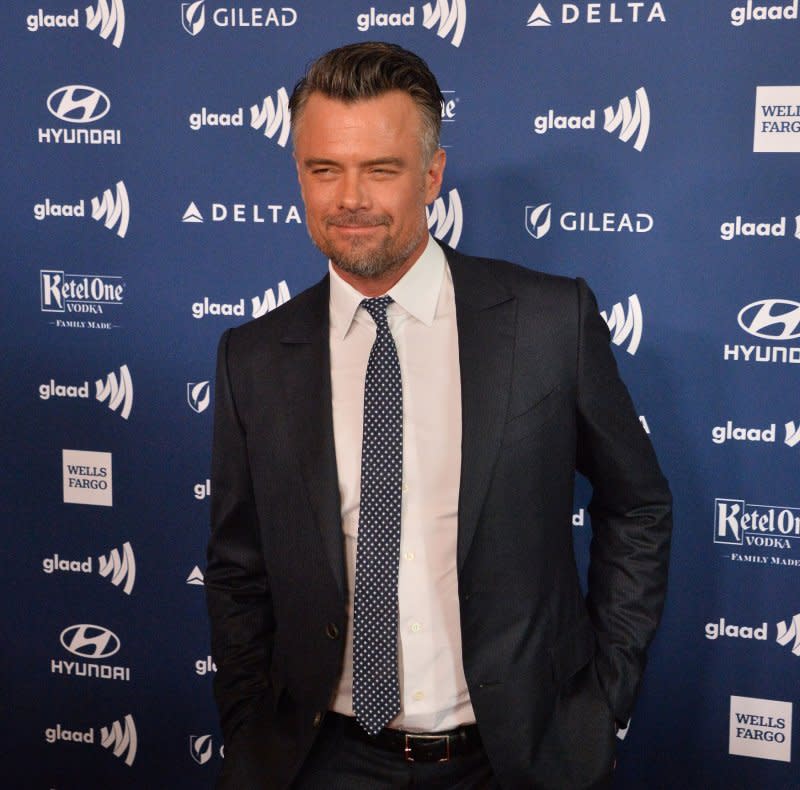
(237, 587)
(631, 515)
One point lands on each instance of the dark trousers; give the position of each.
(341, 761)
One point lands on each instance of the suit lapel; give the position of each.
(486, 316)
(307, 378)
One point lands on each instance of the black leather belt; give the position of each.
(436, 747)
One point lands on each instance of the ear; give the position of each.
(434, 175)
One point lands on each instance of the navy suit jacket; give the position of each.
(549, 670)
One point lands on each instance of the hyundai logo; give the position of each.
(90, 641)
(771, 319)
(78, 103)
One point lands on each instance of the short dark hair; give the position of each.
(369, 69)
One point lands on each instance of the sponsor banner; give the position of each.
(775, 320)
(118, 566)
(258, 213)
(776, 127)
(629, 122)
(539, 221)
(87, 477)
(615, 13)
(115, 391)
(446, 18)
(271, 117)
(79, 105)
(755, 11)
(111, 208)
(92, 642)
(83, 300)
(761, 728)
(258, 305)
(196, 15)
(106, 18)
(119, 737)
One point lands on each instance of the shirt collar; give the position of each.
(417, 291)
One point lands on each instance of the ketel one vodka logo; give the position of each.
(120, 737)
(447, 18)
(625, 326)
(446, 219)
(115, 391)
(89, 644)
(119, 567)
(271, 117)
(113, 209)
(738, 523)
(105, 17)
(194, 17)
(628, 121)
(259, 305)
(80, 106)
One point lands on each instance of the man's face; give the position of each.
(365, 183)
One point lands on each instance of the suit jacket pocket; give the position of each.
(529, 421)
(573, 651)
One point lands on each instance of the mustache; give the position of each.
(357, 220)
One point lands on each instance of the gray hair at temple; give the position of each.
(370, 69)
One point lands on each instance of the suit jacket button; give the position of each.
(332, 631)
(317, 719)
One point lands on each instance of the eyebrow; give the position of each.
(384, 160)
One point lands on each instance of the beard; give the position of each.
(363, 257)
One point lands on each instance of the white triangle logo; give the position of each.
(192, 214)
(539, 17)
(195, 577)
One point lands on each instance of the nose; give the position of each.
(353, 194)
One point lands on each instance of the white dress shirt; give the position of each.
(422, 320)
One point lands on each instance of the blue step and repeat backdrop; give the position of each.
(150, 201)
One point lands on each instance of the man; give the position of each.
(391, 580)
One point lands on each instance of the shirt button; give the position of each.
(332, 631)
(419, 696)
(405, 488)
(409, 555)
(416, 628)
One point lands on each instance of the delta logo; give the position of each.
(446, 18)
(629, 122)
(195, 15)
(271, 117)
(764, 12)
(739, 227)
(257, 213)
(259, 306)
(115, 390)
(775, 320)
(112, 209)
(118, 566)
(105, 17)
(597, 13)
(120, 737)
(78, 105)
(539, 221)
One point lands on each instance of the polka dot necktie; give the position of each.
(376, 689)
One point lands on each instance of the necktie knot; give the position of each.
(377, 309)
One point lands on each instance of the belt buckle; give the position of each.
(408, 753)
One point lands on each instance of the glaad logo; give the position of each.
(762, 12)
(728, 432)
(120, 737)
(79, 104)
(768, 319)
(538, 221)
(788, 634)
(449, 17)
(625, 327)
(204, 666)
(776, 128)
(597, 13)
(94, 642)
(444, 219)
(741, 227)
(201, 748)
(202, 490)
(113, 209)
(792, 437)
(761, 728)
(198, 395)
(272, 115)
(87, 477)
(117, 391)
(259, 213)
(196, 577)
(260, 305)
(193, 17)
(629, 120)
(120, 566)
(106, 19)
